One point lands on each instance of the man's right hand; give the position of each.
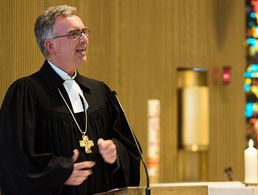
(81, 171)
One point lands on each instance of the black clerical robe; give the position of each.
(38, 136)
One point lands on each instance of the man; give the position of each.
(62, 133)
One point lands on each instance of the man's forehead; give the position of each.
(67, 23)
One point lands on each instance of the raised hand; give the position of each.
(81, 171)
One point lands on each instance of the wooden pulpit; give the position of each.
(161, 190)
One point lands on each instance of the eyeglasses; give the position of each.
(76, 34)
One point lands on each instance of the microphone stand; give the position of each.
(148, 189)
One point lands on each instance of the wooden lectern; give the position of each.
(161, 190)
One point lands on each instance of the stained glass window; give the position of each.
(251, 71)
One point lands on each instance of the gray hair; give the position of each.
(45, 22)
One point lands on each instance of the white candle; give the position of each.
(251, 164)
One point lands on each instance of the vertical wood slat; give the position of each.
(136, 47)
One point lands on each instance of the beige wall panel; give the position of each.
(146, 73)
(136, 47)
(227, 126)
(17, 53)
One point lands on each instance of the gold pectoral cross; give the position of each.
(85, 142)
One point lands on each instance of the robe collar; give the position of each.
(54, 81)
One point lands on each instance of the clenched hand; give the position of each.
(107, 149)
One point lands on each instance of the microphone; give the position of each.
(148, 189)
(229, 172)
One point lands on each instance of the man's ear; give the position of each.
(50, 46)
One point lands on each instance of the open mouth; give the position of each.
(81, 50)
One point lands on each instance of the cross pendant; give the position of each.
(85, 142)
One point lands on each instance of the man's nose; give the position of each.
(84, 37)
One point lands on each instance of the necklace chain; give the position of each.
(86, 120)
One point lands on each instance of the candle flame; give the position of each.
(251, 143)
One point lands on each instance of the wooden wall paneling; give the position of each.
(18, 54)
(228, 136)
(134, 66)
(168, 164)
(103, 63)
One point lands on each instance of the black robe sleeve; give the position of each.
(128, 153)
(21, 170)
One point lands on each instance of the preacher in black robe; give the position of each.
(38, 136)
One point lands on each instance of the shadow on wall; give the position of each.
(222, 11)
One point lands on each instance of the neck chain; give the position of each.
(85, 142)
